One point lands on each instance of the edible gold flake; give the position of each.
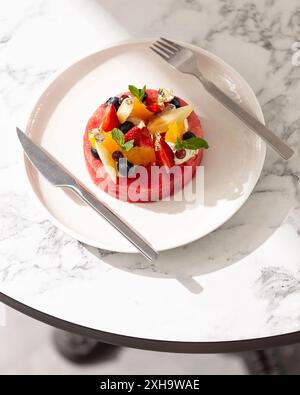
(157, 137)
(165, 95)
(98, 134)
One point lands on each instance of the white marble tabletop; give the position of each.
(240, 282)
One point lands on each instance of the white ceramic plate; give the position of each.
(232, 164)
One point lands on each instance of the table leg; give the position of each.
(82, 349)
(265, 362)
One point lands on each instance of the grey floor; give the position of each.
(27, 348)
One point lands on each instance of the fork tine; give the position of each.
(167, 47)
(160, 54)
(176, 46)
(164, 50)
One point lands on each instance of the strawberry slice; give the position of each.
(145, 139)
(110, 119)
(165, 155)
(152, 101)
(133, 134)
(154, 107)
(142, 137)
(152, 96)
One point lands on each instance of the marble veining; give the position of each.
(240, 282)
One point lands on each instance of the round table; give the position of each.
(236, 289)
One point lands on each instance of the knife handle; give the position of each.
(118, 223)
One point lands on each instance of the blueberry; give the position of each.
(115, 101)
(188, 135)
(175, 102)
(116, 155)
(126, 126)
(94, 153)
(180, 154)
(124, 166)
(145, 97)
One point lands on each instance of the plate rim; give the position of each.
(51, 81)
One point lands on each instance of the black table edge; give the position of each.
(151, 344)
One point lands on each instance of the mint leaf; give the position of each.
(193, 143)
(138, 93)
(134, 90)
(142, 92)
(119, 138)
(128, 145)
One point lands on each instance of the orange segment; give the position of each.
(140, 111)
(175, 131)
(136, 155)
(110, 144)
(140, 155)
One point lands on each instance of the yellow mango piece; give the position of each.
(175, 131)
(105, 150)
(92, 140)
(140, 155)
(140, 111)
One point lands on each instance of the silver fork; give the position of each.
(184, 60)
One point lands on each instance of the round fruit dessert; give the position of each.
(143, 145)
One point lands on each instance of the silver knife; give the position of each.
(58, 176)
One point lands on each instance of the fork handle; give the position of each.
(266, 134)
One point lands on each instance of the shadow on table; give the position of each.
(247, 230)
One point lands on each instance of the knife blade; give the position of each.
(58, 176)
